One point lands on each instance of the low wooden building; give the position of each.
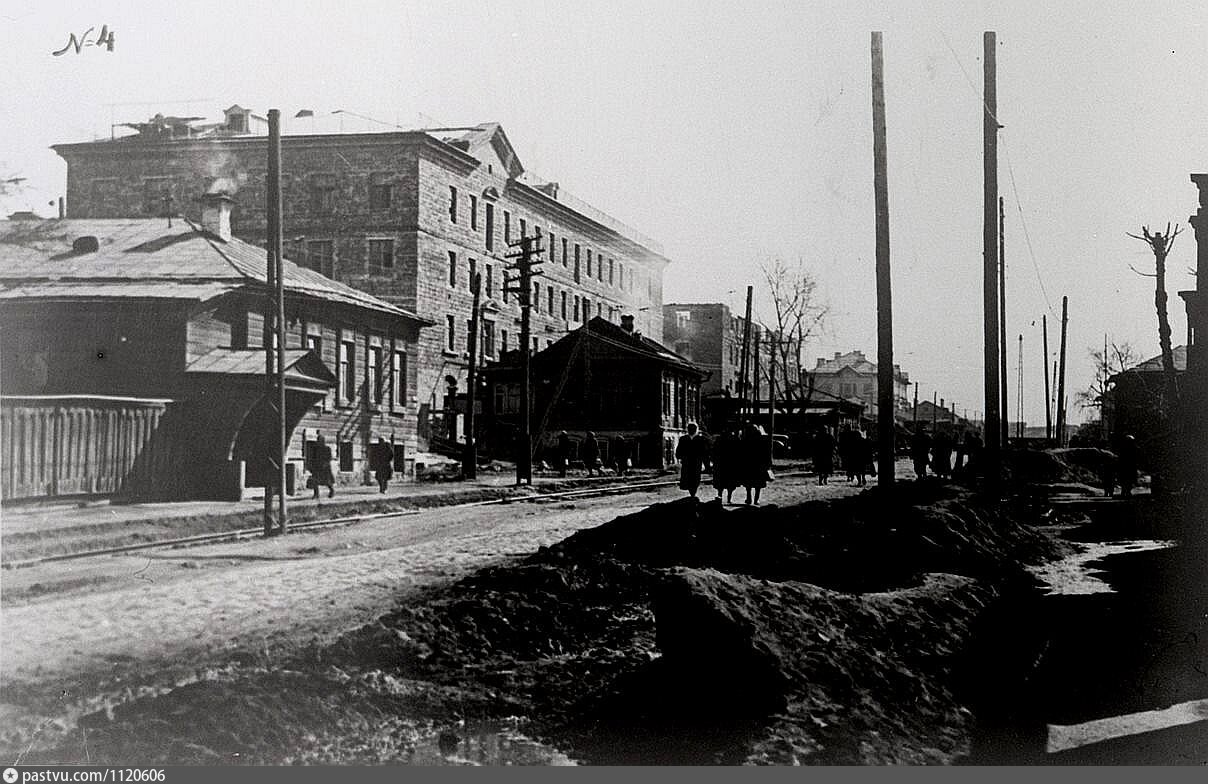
(132, 361)
(602, 378)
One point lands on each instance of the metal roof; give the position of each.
(250, 362)
(44, 290)
(150, 251)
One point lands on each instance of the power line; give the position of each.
(1024, 224)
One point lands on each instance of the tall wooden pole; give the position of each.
(774, 344)
(1061, 374)
(1004, 398)
(275, 240)
(1019, 393)
(744, 364)
(755, 377)
(469, 463)
(935, 409)
(885, 456)
(990, 304)
(274, 337)
(914, 418)
(1048, 394)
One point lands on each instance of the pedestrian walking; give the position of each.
(692, 451)
(850, 451)
(1126, 465)
(862, 448)
(620, 455)
(823, 448)
(941, 455)
(381, 461)
(563, 456)
(920, 453)
(756, 462)
(726, 463)
(591, 454)
(320, 468)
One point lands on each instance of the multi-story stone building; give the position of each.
(710, 335)
(407, 216)
(852, 376)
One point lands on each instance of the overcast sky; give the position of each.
(731, 132)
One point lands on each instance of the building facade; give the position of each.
(852, 376)
(603, 378)
(407, 216)
(134, 362)
(709, 335)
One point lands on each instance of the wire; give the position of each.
(1024, 224)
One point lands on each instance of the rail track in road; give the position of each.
(247, 533)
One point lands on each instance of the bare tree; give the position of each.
(1161, 244)
(797, 315)
(1118, 358)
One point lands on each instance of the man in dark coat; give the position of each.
(591, 453)
(726, 464)
(320, 468)
(563, 452)
(1126, 465)
(381, 460)
(851, 452)
(620, 455)
(920, 452)
(691, 451)
(824, 455)
(756, 462)
(941, 455)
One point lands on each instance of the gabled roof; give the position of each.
(301, 365)
(137, 255)
(603, 330)
(1154, 364)
(473, 139)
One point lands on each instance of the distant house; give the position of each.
(133, 361)
(852, 376)
(604, 378)
(1131, 403)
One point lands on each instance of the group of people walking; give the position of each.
(937, 454)
(855, 455)
(318, 463)
(737, 457)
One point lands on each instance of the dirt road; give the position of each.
(140, 620)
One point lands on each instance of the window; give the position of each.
(553, 248)
(586, 309)
(450, 334)
(380, 196)
(507, 226)
(453, 204)
(470, 275)
(488, 338)
(589, 262)
(503, 340)
(564, 262)
(490, 226)
(621, 276)
(320, 257)
(611, 270)
(375, 373)
(576, 307)
(490, 280)
(381, 255)
(473, 212)
(315, 343)
(452, 268)
(682, 317)
(348, 374)
(600, 267)
(536, 347)
(599, 308)
(345, 451)
(157, 196)
(550, 292)
(523, 228)
(564, 304)
(537, 296)
(322, 193)
(398, 379)
(576, 262)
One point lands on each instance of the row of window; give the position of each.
(321, 193)
(486, 340)
(320, 256)
(559, 304)
(605, 270)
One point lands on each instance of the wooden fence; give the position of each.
(84, 444)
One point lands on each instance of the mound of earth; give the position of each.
(682, 633)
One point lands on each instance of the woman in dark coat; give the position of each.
(756, 461)
(726, 464)
(591, 453)
(691, 451)
(320, 468)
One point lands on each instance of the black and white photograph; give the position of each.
(638, 383)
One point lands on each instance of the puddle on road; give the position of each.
(484, 744)
(1075, 575)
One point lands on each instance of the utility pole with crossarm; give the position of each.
(525, 267)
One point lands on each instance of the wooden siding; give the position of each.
(67, 445)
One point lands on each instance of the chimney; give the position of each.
(627, 323)
(216, 215)
(838, 354)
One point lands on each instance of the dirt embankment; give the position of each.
(829, 632)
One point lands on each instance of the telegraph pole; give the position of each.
(469, 463)
(525, 264)
(885, 456)
(990, 263)
(774, 345)
(1004, 398)
(914, 418)
(744, 363)
(755, 378)
(1019, 394)
(1048, 395)
(274, 337)
(1061, 375)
